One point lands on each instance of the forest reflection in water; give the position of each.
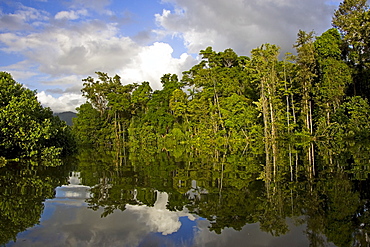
(274, 194)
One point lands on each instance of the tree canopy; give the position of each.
(226, 99)
(27, 128)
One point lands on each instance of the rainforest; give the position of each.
(268, 149)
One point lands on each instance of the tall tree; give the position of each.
(112, 100)
(140, 98)
(287, 73)
(334, 76)
(352, 19)
(306, 75)
(264, 62)
(159, 113)
(218, 76)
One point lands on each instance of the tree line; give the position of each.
(321, 92)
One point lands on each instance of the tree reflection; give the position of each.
(22, 193)
(322, 186)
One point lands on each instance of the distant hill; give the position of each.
(66, 116)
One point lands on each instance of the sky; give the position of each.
(51, 45)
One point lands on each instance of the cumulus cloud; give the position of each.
(88, 37)
(152, 62)
(81, 49)
(66, 102)
(91, 46)
(71, 15)
(70, 53)
(243, 25)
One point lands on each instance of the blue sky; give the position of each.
(50, 45)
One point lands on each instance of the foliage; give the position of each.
(217, 140)
(353, 118)
(318, 186)
(227, 99)
(352, 19)
(28, 129)
(23, 190)
(322, 187)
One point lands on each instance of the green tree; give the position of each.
(88, 127)
(264, 62)
(27, 128)
(218, 77)
(140, 99)
(112, 101)
(334, 76)
(353, 118)
(159, 113)
(352, 19)
(306, 75)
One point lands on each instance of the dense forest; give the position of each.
(320, 92)
(236, 140)
(29, 130)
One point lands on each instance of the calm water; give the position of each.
(286, 195)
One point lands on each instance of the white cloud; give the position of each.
(64, 81)
(66, 102)
(28, 13)
(71, 15)
(158, 218)
(243, 25)
(23, 19)
(152, 62)
(65, 54)
(20, 71)
(66, 48)
(79, 49)
(148, 64)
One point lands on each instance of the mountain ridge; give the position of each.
(66, 116)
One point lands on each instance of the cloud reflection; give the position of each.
(158, 218)
(67, 221)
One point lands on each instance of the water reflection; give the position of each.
(67, 224)
(73, 190)
(22, 192)
(158, 218)
(282, 195)
(71, 223)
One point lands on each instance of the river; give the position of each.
(284, 195)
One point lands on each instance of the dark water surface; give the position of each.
(275, 195)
